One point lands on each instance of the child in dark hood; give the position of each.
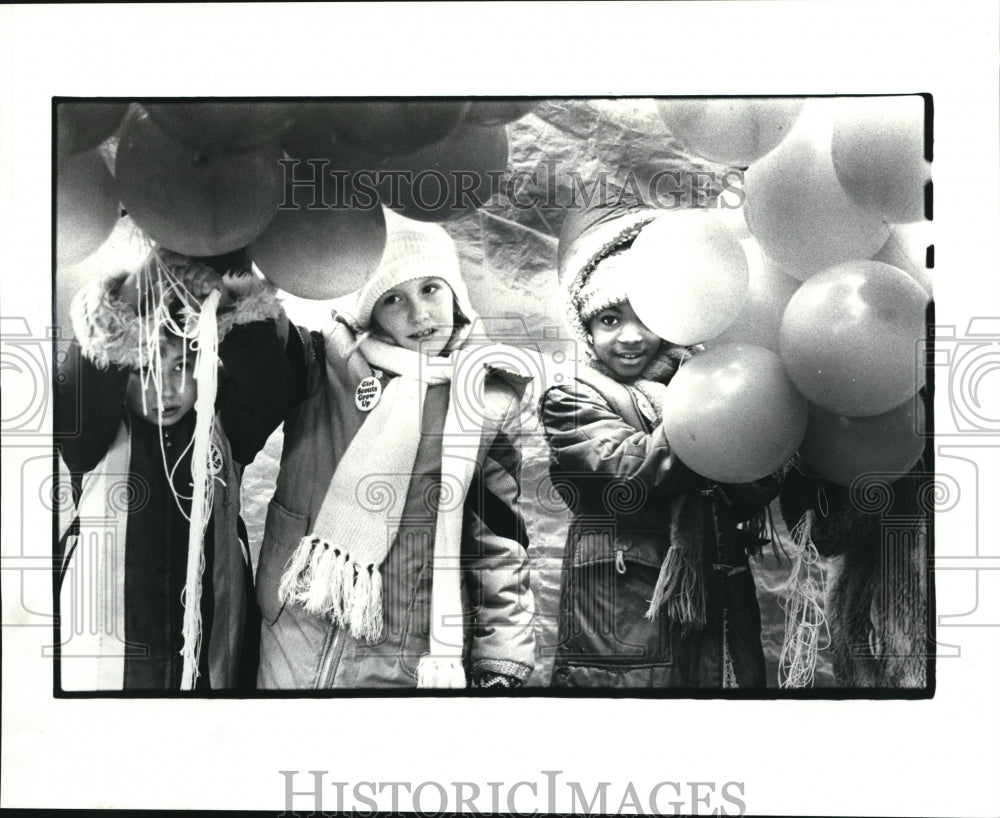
(657, 590)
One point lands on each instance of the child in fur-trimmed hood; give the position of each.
(657, 590)
(125, 423)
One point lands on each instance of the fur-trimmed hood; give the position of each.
(109, 331)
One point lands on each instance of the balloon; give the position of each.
(732, 415)
(878, 154)
(497, 112)
(312, 137)
(223, 126)
(734, 218)
(842, 449)
(321, 254)
(687, 276)
(731, 131)
(906, 248)
(86, 206)
(125, 249)
(449, 179)
(769, 291)
(81, 126)
(387, 128)
(195, 203)
(797, 209)
(850, 338)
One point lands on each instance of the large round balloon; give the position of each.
(449, 179)
(732, 131)
(223, 126)
(191, 202)
(312, 136)
(734, 218)
(497, 112)
(759, 319)
(388, 128)
(797, 209)
(732, 415)
(86, 206)
(81, 126)
(906, 248)
(842, 449)
(850, 338)
(878, 154)
(321, 254)
(686, 276)
(330, 171)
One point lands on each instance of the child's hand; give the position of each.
(752, 495)
(200, 280)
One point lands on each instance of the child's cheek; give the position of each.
(190, 394)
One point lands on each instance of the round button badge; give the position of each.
(367, 394)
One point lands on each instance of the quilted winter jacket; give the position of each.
(302, 651)
(619, 475)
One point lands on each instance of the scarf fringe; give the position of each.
(681, 588)
(326, 582)
(440, 671)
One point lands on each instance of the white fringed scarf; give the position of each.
(334, 572)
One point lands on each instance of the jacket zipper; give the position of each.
(620, 566)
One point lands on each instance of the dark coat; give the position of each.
(621, 479)
(255, 388)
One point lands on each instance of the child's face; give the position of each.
(177, 387)
(418, 315)
(621, 341)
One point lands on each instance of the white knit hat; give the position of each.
(412, 250)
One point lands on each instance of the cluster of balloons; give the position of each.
(813, 324)
(208, 178)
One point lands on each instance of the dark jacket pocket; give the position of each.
(603, 620)
(593, 546)
(283, 530)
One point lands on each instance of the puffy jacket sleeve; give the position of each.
(260, 383)
(495, 555)
(88, 409)
(92, 376)
(588, 438)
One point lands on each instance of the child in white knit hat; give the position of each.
(656, 590)
(394, 550)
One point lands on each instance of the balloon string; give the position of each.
(158, 288)
(206, 373)
(801, 598)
